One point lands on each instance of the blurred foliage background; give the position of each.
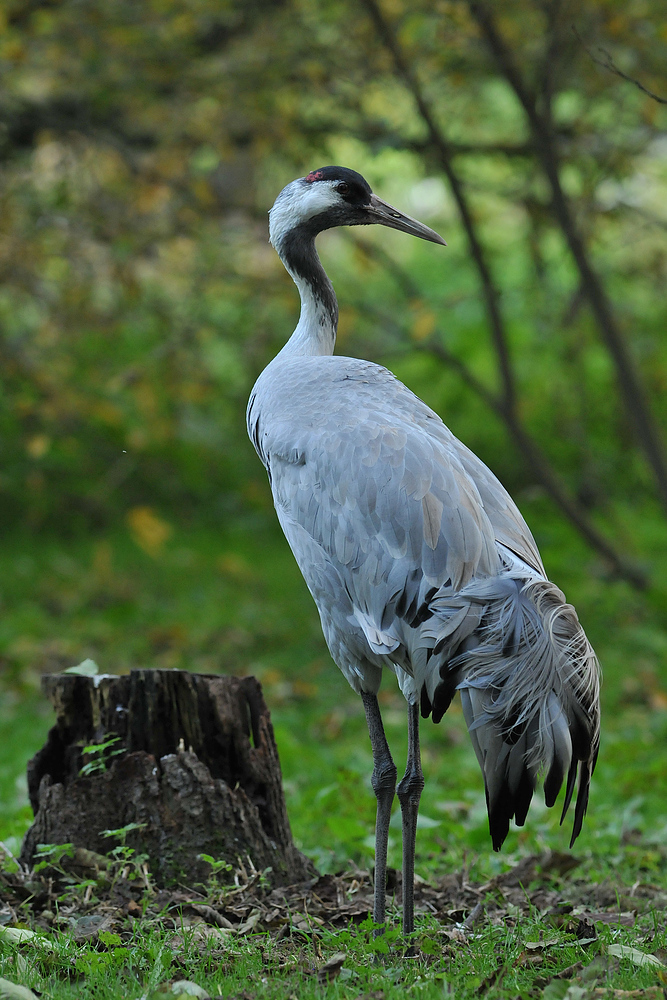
(141, 146)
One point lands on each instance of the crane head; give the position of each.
(336, 196)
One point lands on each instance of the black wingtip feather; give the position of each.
(499, 827)
(582, 801)
(523, 798)
(571, 779)
(444, 693)
(508, 805)
(553, 782)
(500, 813)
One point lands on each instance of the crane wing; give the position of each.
(363, 469)
(509, 526)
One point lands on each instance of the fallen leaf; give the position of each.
(635, 956)
(11, 991)
(541, 945)
(17, 935)
(625, 919)
(211, 916)
(650, 993)
(457, 934)
(186, 988)
(331, 969)
(87, 668)
(250, 923)
(21, 935)
(87, 928)
(528, 958)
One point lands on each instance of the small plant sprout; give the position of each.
(125, 862)
(100, 755)
(216, 886)
(51, 855)
(122, 832)
(217, 867)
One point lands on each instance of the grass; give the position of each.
(233, 602)
(148, 958)
(521, 954)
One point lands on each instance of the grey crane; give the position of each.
(417, 558)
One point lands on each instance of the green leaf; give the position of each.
(110, 939)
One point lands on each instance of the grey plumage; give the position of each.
(417, 558)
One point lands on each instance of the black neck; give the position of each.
(298, 253)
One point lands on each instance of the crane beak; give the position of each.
(385, 215)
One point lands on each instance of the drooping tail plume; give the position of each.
(529, 683)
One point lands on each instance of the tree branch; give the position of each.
(631, 388)
(475, 149)
(608, 63)
(503, 404)
(444, 152)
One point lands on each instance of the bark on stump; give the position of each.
(199, 770)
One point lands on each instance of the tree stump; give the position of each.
(198, 769)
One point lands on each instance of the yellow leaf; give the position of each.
(423, 325)
(149, 531)
(38, 445)
(152, 198)
(235, 566)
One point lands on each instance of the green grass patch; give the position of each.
(234, 602)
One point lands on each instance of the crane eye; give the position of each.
(343, 188)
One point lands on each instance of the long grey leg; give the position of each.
(409, 792)
(384, 786)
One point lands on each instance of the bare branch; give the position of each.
(444, 152)
(631, 388)
(476, 149)
(607, 62)
(503, 404)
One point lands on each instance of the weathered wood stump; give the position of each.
(198, 769)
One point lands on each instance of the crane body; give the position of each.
(417, 558)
